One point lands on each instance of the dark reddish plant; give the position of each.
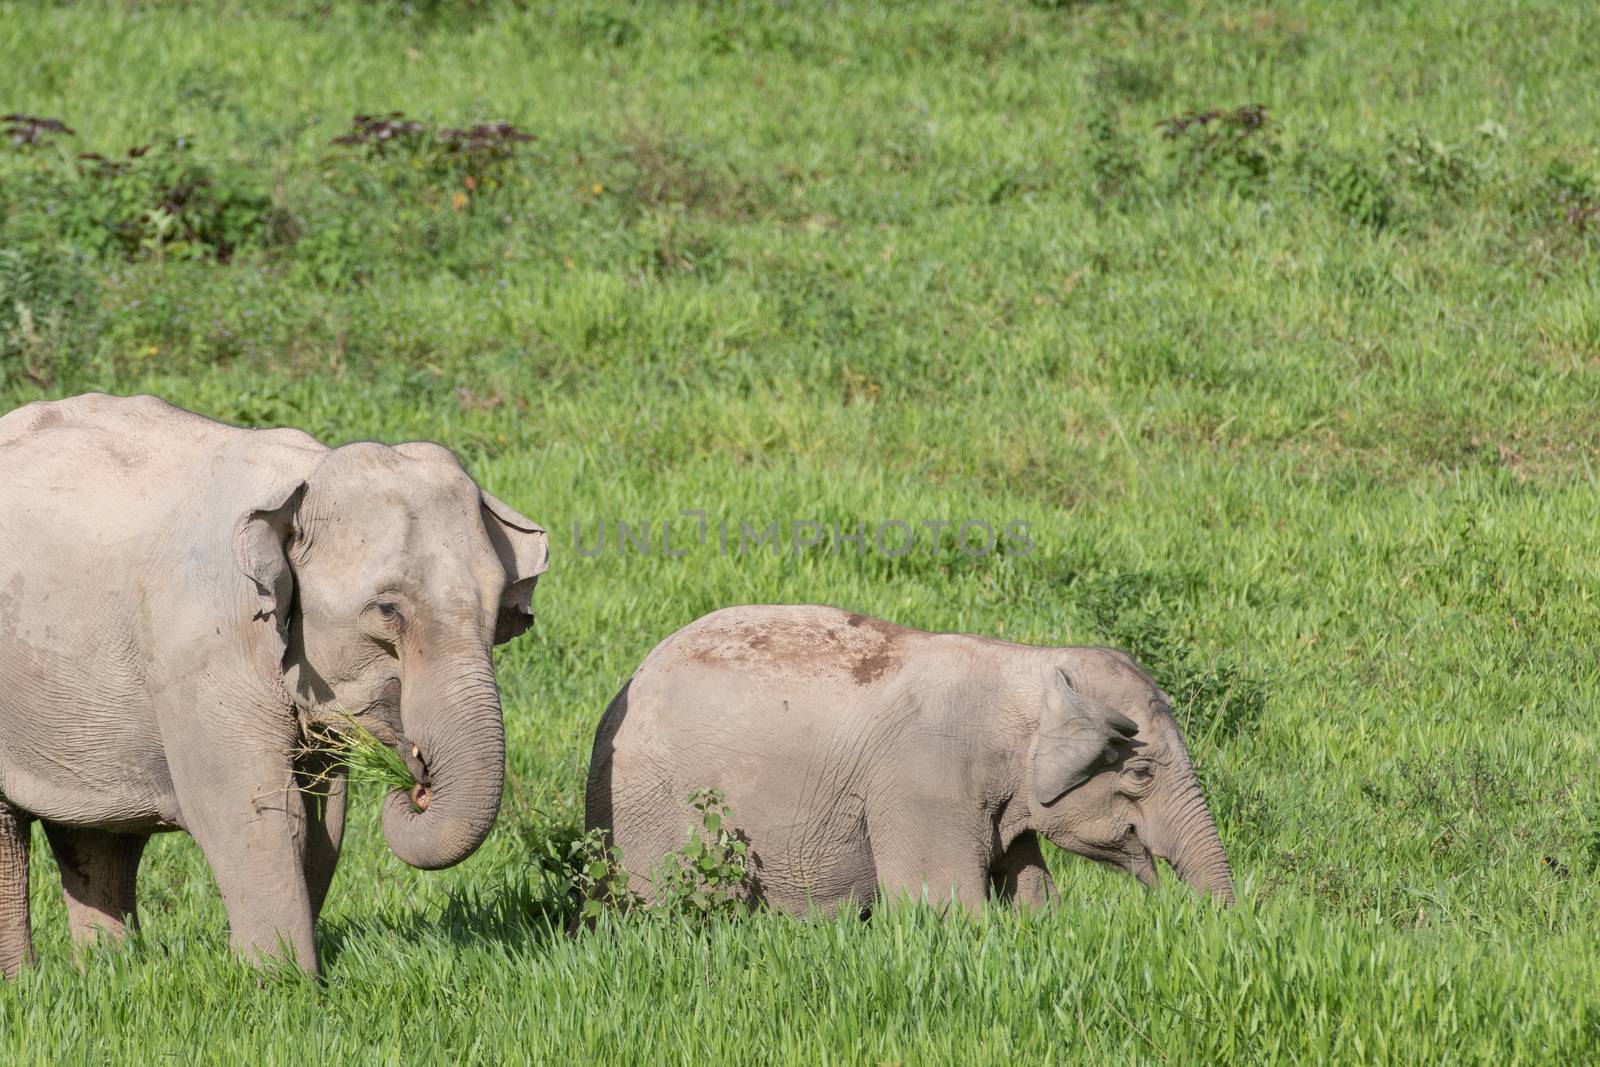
(28, 130)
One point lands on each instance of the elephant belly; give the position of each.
(801, 858)
(123, 807)
(799, 873)
(79, 744)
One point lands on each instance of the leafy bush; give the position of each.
(708, 878)
(26, 131)
(1111, 161)
(596, 877)
(376, 135)
(155, 199)
(46, 300)
(472, 154)
(1236, 148)
(1360, 194)
(1433, 164)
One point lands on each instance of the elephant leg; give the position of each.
(941, 884)
(915, 859)
(99, 871)
(1021, 876)
(246, 812)
(16, 933)
(324, 787)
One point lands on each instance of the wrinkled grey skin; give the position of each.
(861, 758)
(180, 598)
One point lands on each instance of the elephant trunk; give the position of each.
(453, 720)
(1193, 847)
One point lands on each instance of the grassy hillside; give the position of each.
(1297, 401)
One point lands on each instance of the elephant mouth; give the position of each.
(1142, 865)
(422, 793)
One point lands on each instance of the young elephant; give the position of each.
(861, 758)
(180, 599)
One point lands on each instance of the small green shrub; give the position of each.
(1358, 192)
(469, 157)
(1434, 165)
(706, 879)
(709, 877)
(1112, 164)
(595, 876)
(47, 300)
(156, 200)
(1236, 148)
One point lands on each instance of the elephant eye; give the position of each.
(389, 615)
(1140, 772)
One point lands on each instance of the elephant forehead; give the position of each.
(426, 524)
(371, 484)
(367, 462)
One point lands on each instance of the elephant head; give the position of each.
(387, 576)
(1112, 780)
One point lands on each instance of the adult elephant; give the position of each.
(180, 600)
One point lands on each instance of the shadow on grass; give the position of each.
(516, 915)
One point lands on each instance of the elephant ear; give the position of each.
(524, 551)
(1077, 736)
(259, 541)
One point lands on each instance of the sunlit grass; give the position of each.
(1328, 469)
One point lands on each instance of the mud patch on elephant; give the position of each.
(722, 650)
(45, 418)
(874, 665)
(889, 631)
(864, 649)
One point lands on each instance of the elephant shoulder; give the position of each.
(33, 418)
(100, 412)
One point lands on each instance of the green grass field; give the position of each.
(1301, 411)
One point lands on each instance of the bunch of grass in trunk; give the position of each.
(365, 759)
